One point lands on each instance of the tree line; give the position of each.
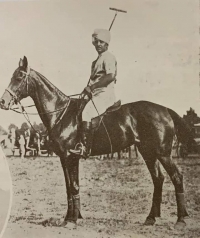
(24, 126)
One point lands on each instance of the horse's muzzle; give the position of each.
(2, 104)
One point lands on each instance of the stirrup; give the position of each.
(78, 150)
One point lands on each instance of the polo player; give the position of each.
(100, 89)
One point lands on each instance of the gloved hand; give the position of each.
(87, 91)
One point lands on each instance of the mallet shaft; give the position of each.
(112, 21)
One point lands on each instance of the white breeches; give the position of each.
(102, 101)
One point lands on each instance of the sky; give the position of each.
(156, 44)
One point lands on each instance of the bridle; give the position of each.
(16, 99)
(16, 95)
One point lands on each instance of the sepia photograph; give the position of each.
(100, 119)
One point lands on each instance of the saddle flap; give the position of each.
(97, 120)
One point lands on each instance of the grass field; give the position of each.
(115, 199)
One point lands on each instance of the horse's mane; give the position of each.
(64, 96)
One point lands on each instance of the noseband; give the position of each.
(16, 95)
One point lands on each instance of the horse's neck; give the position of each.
(48, 100)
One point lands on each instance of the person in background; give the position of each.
(21, 146)
(27, 135)
(38, 141)
(12, 138)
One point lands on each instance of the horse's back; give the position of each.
(119, 127)
(145, 110)
(142, 106)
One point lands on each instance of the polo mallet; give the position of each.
(116, 11)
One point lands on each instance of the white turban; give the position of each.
(101, 34)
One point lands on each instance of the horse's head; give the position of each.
(18, 87)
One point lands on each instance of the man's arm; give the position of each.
(110, 65)
(103, 82)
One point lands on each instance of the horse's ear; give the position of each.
(25, 62)
(20, 63)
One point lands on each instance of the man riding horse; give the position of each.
(100, 89)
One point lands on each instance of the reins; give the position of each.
(41, 113)
(37, 113)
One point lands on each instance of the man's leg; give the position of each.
(83, 149)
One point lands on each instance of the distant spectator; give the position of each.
(37, 141)
(22, 146)
(11, 137)
(27, 135)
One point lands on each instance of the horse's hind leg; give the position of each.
(158, 178)
(177, 180)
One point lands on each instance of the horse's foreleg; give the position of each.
(158, 179)
(177, 180)
(74, 182)
(71, 172)
(68, 190)
(136, 152)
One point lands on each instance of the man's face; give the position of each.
(100, 46)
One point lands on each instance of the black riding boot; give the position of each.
(83, 149)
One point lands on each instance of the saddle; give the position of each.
(114, 107)
(96, 121)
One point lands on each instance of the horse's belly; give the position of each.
(112, 139)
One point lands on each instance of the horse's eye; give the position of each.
(19, 76)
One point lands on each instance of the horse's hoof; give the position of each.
(71, 225)
(68, 224)
(50, 222)
(180, 225)
(150, 221)
(63, 224)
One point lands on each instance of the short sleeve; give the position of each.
(110, 64)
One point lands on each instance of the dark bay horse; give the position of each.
(155, 124)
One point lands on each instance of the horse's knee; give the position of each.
(74, 187)
(177, 180)
(157, 175)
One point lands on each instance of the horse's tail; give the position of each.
(182, 130)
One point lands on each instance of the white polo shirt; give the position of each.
(105, 64)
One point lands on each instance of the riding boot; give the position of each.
(83, 149)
